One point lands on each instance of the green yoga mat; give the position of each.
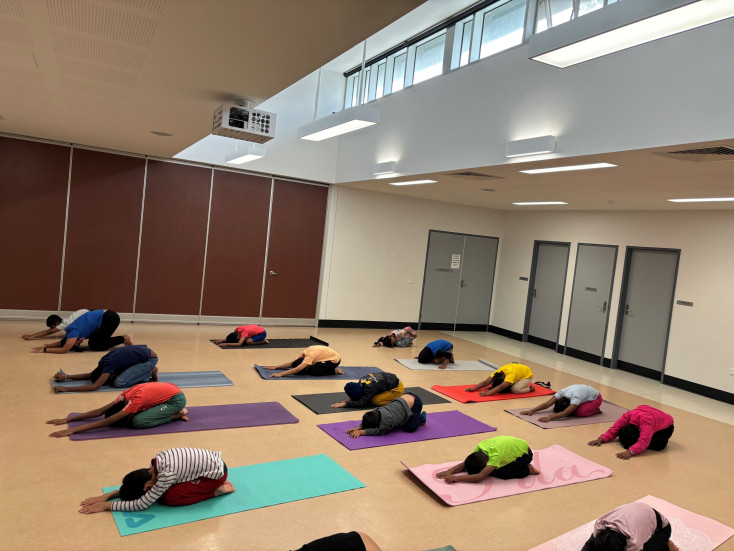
(256, 486)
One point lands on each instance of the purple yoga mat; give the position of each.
(442, 424)
(229, 416)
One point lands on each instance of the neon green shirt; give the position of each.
(502, 450)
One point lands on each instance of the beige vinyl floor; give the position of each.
(45, 479)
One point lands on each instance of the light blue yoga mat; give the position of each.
(350, 373)
(256, 486)
(182, 379)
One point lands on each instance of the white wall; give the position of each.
(362, 279)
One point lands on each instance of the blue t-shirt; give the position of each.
(578, 394)
(119, 359)
(440, 346)
(84, 325)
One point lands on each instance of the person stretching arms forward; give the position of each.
(315, 360)
(406, 412)
(179, 476)
(97, 325)
(56, 324)
(577, 400)
(439, 352)
(504, 457)
(512, 377)
(244, 335)
(377, 389)
(639, 429)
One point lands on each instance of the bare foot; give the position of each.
(265, 341)
(532, 388)
(338, 371)
(225, 488)
(672, 546)
(183, 415)
(154, 374)
(533, 470)
(128, 340)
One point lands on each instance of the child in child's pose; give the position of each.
(180, 476)
(377, 389)
(142, 406)
(315, 360)
(244, 335)
(439, 352)
(639, 429)
(631, 527)
(512, 377)
(577, 400)
(346, 541)
(406, 413)
(504, 457)
(400, 338)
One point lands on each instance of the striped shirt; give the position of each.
(175, 466)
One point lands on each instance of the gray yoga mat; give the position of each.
(279, 343)
(458, 365)
(609, 414)
(350, 373)
(321, 403)
(182, 379)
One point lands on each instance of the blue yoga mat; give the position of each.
(182, 379)
(350, 373)
(256, 486)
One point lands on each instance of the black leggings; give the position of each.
(319, 369)
(660, 439)
(520, 468)
(415, 420)
(101, 338)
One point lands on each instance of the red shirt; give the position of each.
(648, 419)
(146, 395)
(247, 331)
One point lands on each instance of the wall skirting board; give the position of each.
(505, 333)
(363, 324)
(701, 390)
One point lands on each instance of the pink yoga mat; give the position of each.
(609, 414)
(689, 531)
(557, 465)
(458, 394)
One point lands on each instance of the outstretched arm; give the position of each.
(485, 383)
(238, 343)
(291, 371)
(544, 405)
(86, 388)
(56, 348)
(91, 426)
(81, 416)
(458, 468)
(477, 477)
(496, 389)
(98, 504)
(40, 334)
(561, 414)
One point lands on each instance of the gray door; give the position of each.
(645, 310)
(546, 293)
(477, 280)
(441, 281)
(592, 290)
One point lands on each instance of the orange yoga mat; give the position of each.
(458, 394)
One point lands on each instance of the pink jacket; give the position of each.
(648, 419)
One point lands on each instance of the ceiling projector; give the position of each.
(240, 122)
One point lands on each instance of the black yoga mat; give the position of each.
(321, 403)
(279, 343)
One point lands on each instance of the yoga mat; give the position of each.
(229, 416)
(182, 379)
(689, 531)
(279, 343)
(458, 394)
(557, 465)
(256, 486)
(321, 403)
(444, 548)
(350, 373)
(458, 365)
(609, 414)
(442, 424)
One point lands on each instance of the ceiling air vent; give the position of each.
(469, 175)
(701, 155)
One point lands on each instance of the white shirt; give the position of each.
(578, 394)
(70, 319)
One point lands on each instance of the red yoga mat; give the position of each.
(458, 394)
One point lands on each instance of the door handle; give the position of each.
(602, 307)
(627, 311)
(273, 273)
(535, 293)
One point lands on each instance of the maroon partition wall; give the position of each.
(173, 239)
(235, 257)
(294, 253)
(103, 229)
(33, 182)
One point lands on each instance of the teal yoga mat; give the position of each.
(256, 486)
(182, 379)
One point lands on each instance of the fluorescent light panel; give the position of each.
(533, 203)
(348, 120)
(385, 168)
(703, 200)
(413, 183)
(623, 25)
(531, 146)
(568, 168)
(246, 154)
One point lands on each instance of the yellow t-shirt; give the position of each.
(515, 372)
(316, 354)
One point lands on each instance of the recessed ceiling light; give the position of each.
(568, 168)
(413, 183)
(529, 204)
(703, 200)
(159, 133)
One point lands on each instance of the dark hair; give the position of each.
(629, 435)
(232, 338)
(117, 408)
(498, 377)
(442, 354)
(53, 320)
(561, 404)
(387, 341)
(133, 485)
(425, 356)
(475, 462)
(371, 419)
(608, 540)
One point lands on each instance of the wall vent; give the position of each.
(469, 175)
(701, 155)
